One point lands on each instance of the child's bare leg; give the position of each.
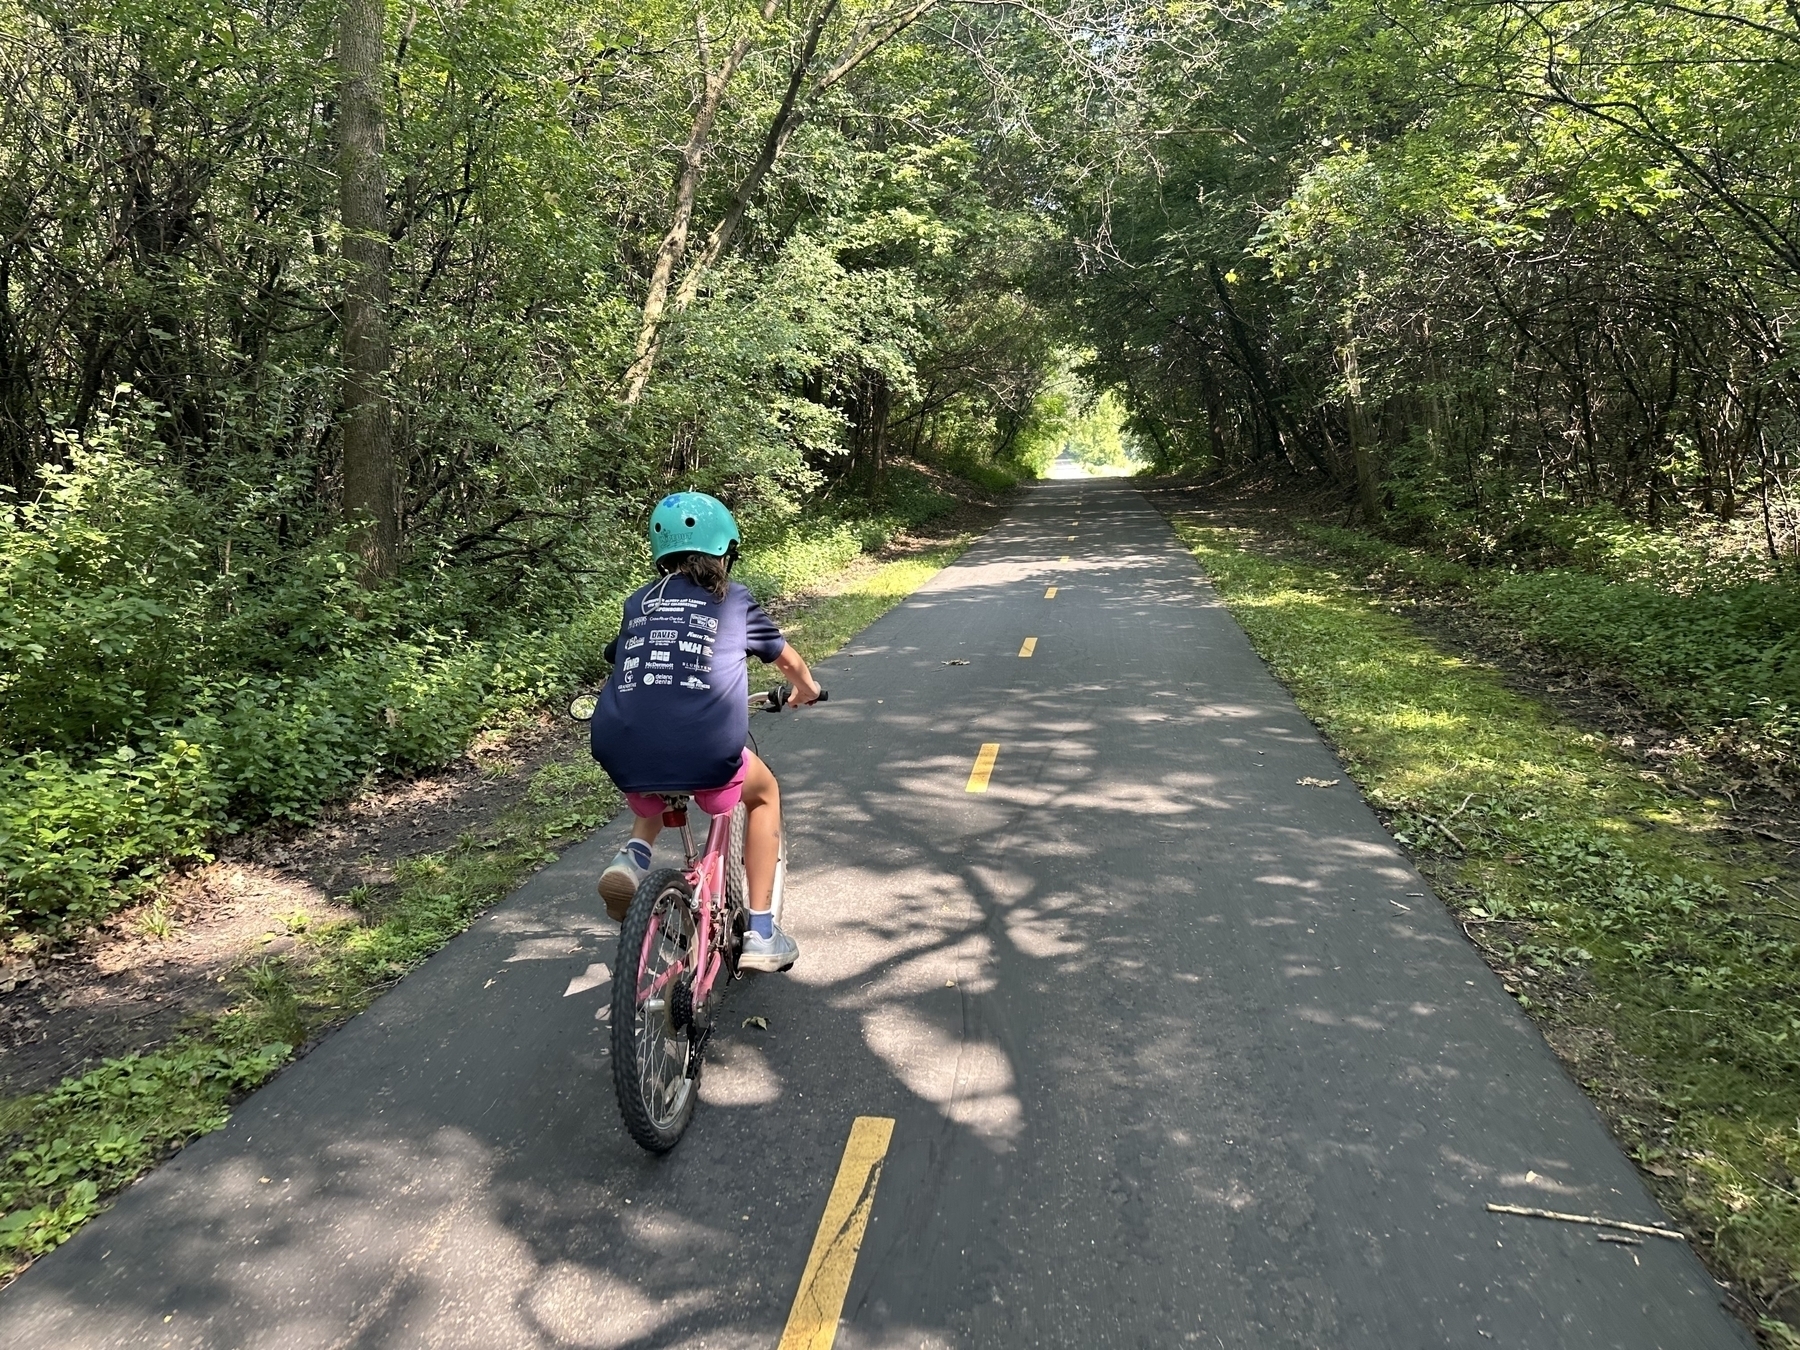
(766, 947)
(762, 833)
(646, 828)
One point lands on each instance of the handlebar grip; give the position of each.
(777, 698)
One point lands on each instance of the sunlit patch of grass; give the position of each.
(824, 625)
(1567, 860)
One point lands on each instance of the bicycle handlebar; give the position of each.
(774, 700)
(581, 707)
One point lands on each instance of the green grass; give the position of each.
(1572, 865)
(826, 623)
(1712, 647)
(70, 1148)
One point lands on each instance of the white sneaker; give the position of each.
(619, 882)
(776, 952)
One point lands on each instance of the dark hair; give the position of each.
(704, 570)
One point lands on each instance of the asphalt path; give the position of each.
(1178, 1051)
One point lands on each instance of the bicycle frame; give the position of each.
(705, 872)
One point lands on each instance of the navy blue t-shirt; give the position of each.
(676, 713)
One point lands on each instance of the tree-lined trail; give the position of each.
(346, 345)
(1176, 1046)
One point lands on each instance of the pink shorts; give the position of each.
(717, 801)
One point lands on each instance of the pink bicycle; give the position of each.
(683, 933)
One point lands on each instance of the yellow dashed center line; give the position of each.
(984, 767)
(1027, 647)
(1065, 557)
(1050, 594)
(813, 1320)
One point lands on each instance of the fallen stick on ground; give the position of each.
(1585, 1218)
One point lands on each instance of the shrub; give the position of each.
(151, 703)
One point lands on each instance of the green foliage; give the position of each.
(1563, 857)
(76, 841)
(1702, 637)
(184, 704)
(1522, 254)
(186, 645)
(95, 1133)
(1714, 658)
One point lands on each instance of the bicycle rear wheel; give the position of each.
(737, 888)
(656, 1069)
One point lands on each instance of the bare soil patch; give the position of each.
(123, 988)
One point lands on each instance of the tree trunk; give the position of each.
(868, 38)
(371, 485)
(1368, 490)
(687, 187)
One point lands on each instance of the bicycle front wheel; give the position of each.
(656, 1071)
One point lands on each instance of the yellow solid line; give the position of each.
(1050, 594)
(1028, 647)
(818, 1303)
(984, 767)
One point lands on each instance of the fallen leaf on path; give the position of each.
(956, 663)
(760, 1023)
(1318, 782)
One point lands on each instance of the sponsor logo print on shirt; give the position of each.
(692, 648)
(632, 644)
(695, 682)
(705, 621)
(638, 622)
(631, 663)
(663, 634)
(661, 656)
(651, 677)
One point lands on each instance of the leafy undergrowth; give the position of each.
(148, 707)
(1715, 647)
(1592, 888)
(70, 1148)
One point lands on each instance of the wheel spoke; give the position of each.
(652, 1059)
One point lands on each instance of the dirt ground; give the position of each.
(151, 972)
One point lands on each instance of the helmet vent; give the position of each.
(689, 522)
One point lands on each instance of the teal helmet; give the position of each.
(692, 522)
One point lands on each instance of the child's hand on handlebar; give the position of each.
(805, 687)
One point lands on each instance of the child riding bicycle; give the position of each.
(675, 715)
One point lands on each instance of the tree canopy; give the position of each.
(344, 347)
